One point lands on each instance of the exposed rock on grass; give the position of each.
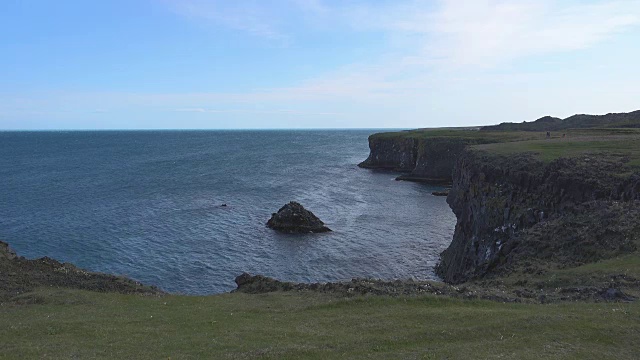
(533, 292)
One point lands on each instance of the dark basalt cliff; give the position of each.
(518, 213)
(391, 153)
(515, 211)
(422, 159)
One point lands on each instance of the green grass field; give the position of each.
(463, 133)
(622, 143)
(61, 324)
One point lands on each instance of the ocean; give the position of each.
(147, 205)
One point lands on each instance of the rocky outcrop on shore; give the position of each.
(259, 284)
(19, 275)
(293, 218)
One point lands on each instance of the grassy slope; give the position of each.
(607, 142)
(77, 324)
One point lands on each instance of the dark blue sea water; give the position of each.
(147, 205)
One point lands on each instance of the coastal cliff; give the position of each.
(525, 204)
(422, 156)
(518, 213)
(397, 153)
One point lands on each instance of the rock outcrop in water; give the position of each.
(293, 218)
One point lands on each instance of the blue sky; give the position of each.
(218, 64)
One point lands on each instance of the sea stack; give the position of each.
(293, 218)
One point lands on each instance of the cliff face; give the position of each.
(429, 160)
(436, 158)
(393, 153)
(517, 213)
(514, 210)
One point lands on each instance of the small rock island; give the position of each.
(293, 218)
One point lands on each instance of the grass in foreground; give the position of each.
(77, 324)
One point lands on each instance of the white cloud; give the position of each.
(491, 32)
(480, 33)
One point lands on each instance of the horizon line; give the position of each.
(202, 129)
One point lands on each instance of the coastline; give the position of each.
(507, 200)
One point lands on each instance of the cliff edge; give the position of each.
(535, 214)
(518, 213)
(427, 155)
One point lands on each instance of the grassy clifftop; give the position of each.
(621, 143)
(468, 134)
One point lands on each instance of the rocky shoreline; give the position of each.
(258, 284)
(20, 275)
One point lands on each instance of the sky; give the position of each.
(256, 64)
